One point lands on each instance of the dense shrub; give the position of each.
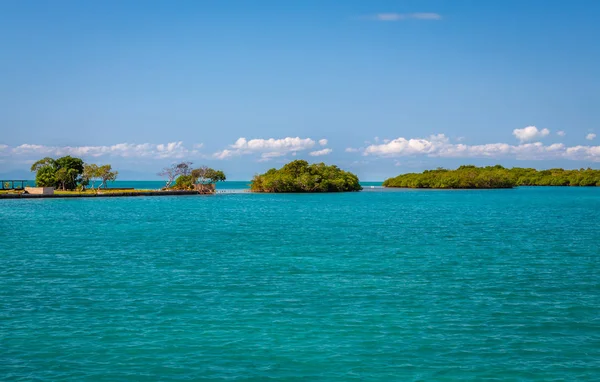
(299, 176)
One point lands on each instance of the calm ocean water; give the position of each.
(383, 286)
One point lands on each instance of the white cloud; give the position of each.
(406, 146)
(323, 142)
(590, 136)
(224, 154)
(405, 16)
(351, 150)
(561, 133)
(198, 146)
(530, 133)
(267, 148)
(124, 150)
(440, 146)
(319, 153)
(286, 144)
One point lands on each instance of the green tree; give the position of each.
(64, 176)
(66, 172)
(45, 170)
(188, 178)
(105, 174)
(175, 171)
(206, 175)
(90, 174)
(73, 168)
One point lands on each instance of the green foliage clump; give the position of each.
(556, 177)
(188, 178)
(495, 177)
(69, 173)
(183, 182)
(299, 176)
(61, 173)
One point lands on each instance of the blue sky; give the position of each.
(377, 87)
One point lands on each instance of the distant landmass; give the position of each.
(494, 177)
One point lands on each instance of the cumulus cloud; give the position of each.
(561, 133)
(319, 153)
(440, 146)
(590, 136)
(530, 133)
(405, 16)
(323, 142)
(267, 148)
(124, 150)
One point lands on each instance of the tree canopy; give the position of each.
(495, 177)
(299, 176)
(61, 173)
(187, 178)
(103, 174)
(67, 172)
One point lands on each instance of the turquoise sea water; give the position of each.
(394, 285)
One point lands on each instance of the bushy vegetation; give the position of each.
(555, 177)
(299, 176)
(69, 173)
(188, 178)
(495, 177)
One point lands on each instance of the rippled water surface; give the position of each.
(394, 285)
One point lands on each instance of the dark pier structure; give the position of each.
(12, 185)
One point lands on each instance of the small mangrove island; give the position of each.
(469, 177)
(202, 179)
(299, 176)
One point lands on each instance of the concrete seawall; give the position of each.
(100, 195)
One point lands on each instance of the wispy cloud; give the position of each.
(590, 136)
(440, 146)
(124, 150)
(405, 16)
(561, 133)
(319, 153)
